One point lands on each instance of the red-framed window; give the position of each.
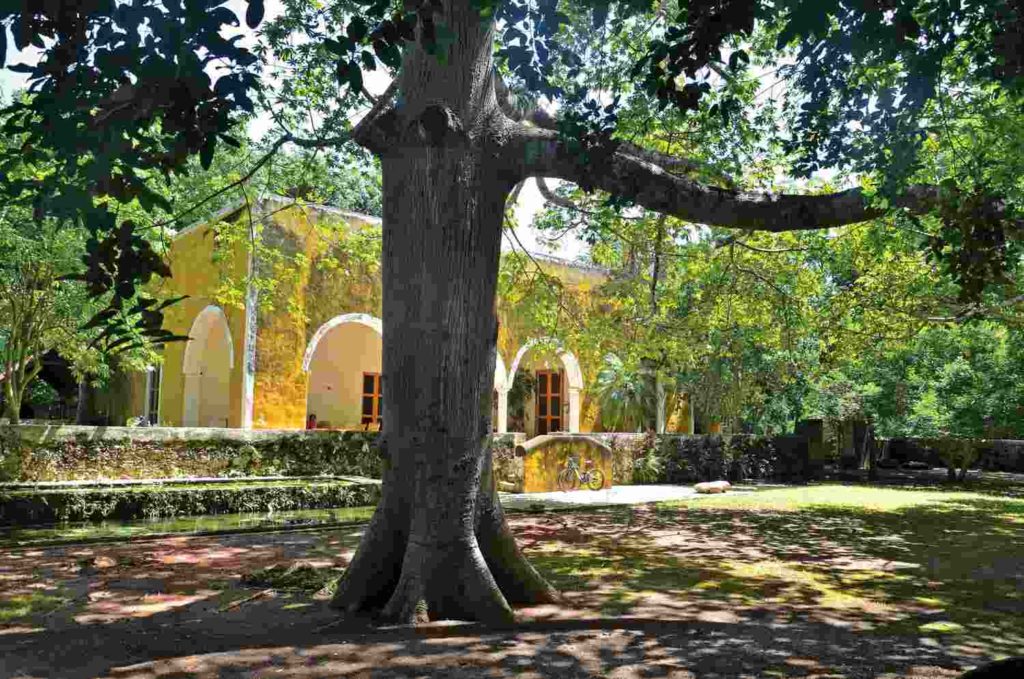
(371, 399)
(549, 401)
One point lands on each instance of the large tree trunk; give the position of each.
(438, 545)
(84, 408)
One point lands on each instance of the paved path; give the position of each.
(617, 495)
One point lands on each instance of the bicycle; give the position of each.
(571, 477)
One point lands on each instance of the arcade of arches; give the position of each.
(315, 360)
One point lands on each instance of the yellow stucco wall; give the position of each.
(678, 420)
(542, 465)
(316, 294)
(310, 293)
(196, 272)
(336, 374)
(516, 329)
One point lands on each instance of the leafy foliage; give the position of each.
(25, 507)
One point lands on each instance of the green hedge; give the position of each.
(88, 453)
(93, 454)
(26, 507)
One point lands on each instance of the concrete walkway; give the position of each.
(616, 495)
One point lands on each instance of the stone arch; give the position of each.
(343, 367)
(207, 364)
(573, 375)
(367, 320)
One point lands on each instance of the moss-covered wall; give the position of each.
(199, 271)
(516, 328)
(326, 284)
(542, 464)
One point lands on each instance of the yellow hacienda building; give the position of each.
(310, 347)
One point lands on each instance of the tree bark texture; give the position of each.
(438, 545)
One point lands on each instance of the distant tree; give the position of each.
(39, 311)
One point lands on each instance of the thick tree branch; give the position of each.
(635, 175)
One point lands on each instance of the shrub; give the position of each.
(12, 455)
(693, 459)
(24, 507)
(91, 455)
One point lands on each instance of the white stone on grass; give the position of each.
(712, 487)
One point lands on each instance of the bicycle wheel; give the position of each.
(596, 480)
(567, 480)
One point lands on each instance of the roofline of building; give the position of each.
(553, 259)
(320, 207)
(271, 198)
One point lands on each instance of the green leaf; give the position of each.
(254, 13)
(206, 153)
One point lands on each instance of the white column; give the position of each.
(659, 396)
(574, 410)
(249, 350)
(689, 410)
(502, 411)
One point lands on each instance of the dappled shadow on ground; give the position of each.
(951, 573)
(309, 645)
(697, 591)
(61, 587)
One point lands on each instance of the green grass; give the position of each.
(944, 564)
(299, 577)
(33, 603)
(859, 497)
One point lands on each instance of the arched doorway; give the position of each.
(554, 404)
(207, 365)
(343, 364)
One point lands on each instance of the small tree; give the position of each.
(39, 311)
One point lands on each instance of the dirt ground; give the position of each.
(648, 592)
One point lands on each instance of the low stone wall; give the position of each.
(67, 453)
(35, 453)
(690, 458)
(23, 507)
(545, 456)
(509, 473)
(1006, 455)
(626, 449)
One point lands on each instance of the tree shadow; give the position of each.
(696, 591)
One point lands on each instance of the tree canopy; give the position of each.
(125, 91)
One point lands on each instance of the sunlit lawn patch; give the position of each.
(29, 603)
(917, 562)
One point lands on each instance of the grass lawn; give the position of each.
(816, 581)
(945, 566)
